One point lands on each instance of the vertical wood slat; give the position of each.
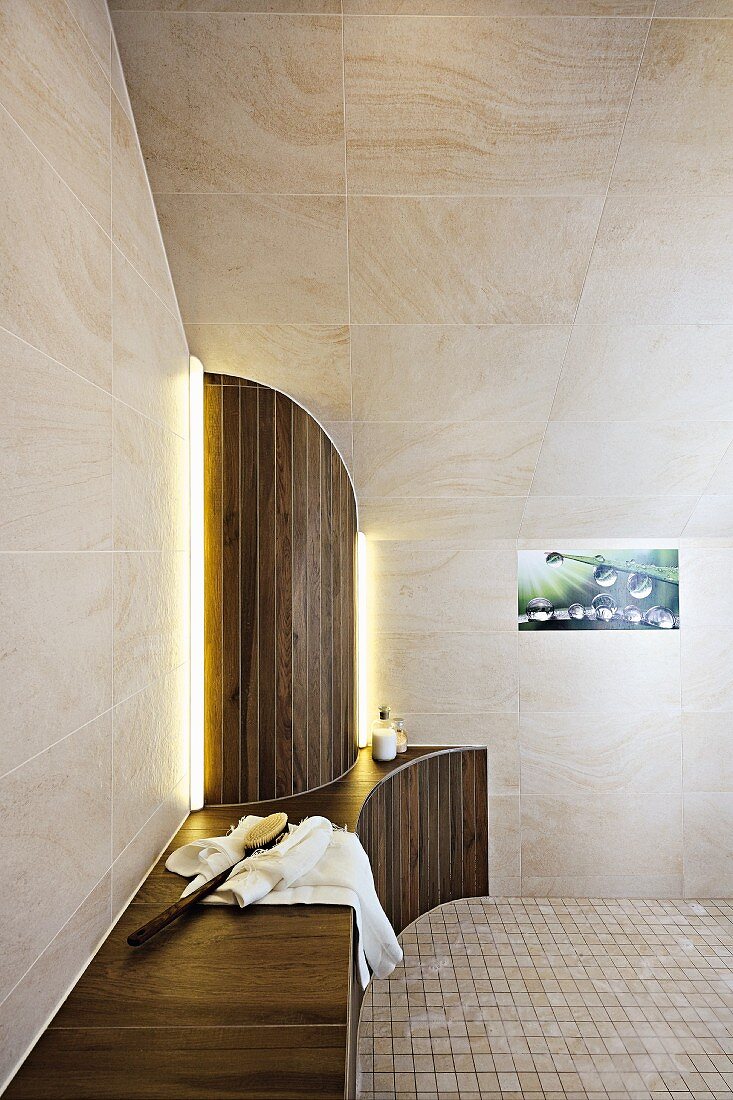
(280, 596)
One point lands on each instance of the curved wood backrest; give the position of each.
(425, 830)
(280, 591)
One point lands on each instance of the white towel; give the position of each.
(315, 864)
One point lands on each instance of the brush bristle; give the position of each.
(265, 831)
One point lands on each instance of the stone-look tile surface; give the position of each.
(647, 373)
(308, 362)
(150, 484)
(445, 460)
(581, 755)
(505, 832)
(687, 149)
(463, 521)
(721, 483)
(56, 656)
(706, 573)
(451, 106)
(707, 675)
(341, 434)
(241, 259)
(706, 753)
(468, 260)
(56, 453)
(618, 516)
(149, 601)
(605, 458)
(306, 7)
(53, 86)
(93, 18)
(492, 7)
(134, 222)
(55, 814)
(150, 353)
(55, 260)
(146, 770)
(622, 673)
(708, 846)
(498, 732)
(267, 116)
(643, 256)
(695, 9)
(445, 673)
(712, 516)
(456, 372)
(560, 999)
(33, 1000)
(133, 863)
(119, 84)
(412, 589)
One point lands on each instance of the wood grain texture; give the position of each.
(263, 1003)
(280, 521)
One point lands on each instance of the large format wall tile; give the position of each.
(468, 260)
(54, 260)
(620, 458)
(307, 7)
(238, 258)
(35, 998)
(134, 222)
(451, 106)
(706, 574)
(505, 849)
(707, 756)
(577, 756)
(486, 7)
(445, 460)
(617, 517)
(268, 115)
(56, 657)
(147, 769)
(444, 673)
(150, 353)
(712, 516)
(678, 137)
(708, 847)
(698, 9)
(707, 674)
(644, 253)
(456, 372)
(497, 731)
(308, 362)
(613, 673)
(56, 453)
(413, 589)
(647, 373)
(463, 521)
(56, 817)
(150, 597)
(132, 864)
(93, 18)
(150, 484)
(52, 84)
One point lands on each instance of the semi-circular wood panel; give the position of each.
(280, 591)
(425, 830)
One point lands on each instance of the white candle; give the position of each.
(384, 744)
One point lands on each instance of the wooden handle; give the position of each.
(173, 912)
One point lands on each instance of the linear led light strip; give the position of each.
(196, 604)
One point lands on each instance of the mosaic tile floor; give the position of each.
(555, 1000)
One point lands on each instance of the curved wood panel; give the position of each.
(425, 830)
(280, 591)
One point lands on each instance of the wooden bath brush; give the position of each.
(265, 834)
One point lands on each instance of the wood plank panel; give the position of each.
(280, 597)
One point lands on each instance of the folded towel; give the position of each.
(316, 864)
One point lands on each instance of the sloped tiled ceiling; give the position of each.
(488, 242)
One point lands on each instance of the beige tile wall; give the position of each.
(93, 523)
(487, 243)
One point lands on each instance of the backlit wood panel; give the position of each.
(425, 830)
(280, 567)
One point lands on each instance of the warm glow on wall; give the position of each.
(196, 444)
(362, 642)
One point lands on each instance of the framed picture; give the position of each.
(598, 590)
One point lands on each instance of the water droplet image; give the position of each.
(539, 610)
(639, 586)
(554, 560)
(605, 576)
(604, 607)
(576, 611)
(659, 616)
(632, 614)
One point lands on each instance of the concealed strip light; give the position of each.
(362, 639)
(196, 483)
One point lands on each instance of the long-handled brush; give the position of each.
(265, 834)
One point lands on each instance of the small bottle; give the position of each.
(401, 734)
(384, 738)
